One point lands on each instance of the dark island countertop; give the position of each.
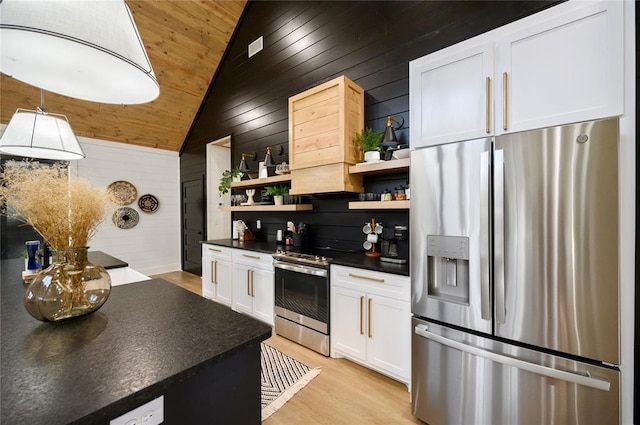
(148, 336)
(359, 260)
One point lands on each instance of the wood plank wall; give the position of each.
(307, 43)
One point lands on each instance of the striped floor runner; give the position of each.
(282, 377)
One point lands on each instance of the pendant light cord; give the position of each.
(40, 109)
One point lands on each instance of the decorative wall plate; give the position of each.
(148, 203)
(125, 218)
(122, 192)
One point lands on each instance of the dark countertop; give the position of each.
(105, 260)
(359, 260)
(148, 336)
(257, 246)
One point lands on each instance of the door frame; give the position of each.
(201, 180)
(218, 153)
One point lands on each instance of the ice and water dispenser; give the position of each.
(448, 265)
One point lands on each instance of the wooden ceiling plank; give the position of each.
(185, 41)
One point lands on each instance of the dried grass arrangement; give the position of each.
(66, 211)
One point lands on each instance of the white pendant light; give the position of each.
(86, 49)
(38, 134)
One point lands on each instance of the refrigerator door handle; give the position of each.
(576, 378)
(485, 296)
(498, 247)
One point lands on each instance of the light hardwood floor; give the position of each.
(343, 393)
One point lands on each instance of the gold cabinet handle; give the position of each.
(255, 257)
(215, 250)
(488, 104)
(369, 318)
(361, 305)
(214, 271)
(505, 96)
(366, 277)
(249, 282)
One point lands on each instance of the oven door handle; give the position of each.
(300, 268)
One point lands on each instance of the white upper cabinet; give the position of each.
(563, 70)
(559, 66)
(450, 94)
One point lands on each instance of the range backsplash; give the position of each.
(330, 223)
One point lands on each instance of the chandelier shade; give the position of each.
(37, 134)
(88, 50)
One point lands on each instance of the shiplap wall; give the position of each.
(308, 43)
(153, 246)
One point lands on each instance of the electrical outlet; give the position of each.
(151, 413)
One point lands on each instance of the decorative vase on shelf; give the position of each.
(70, 287)
(250, 193)
(32, 255)
(278, 199)
(371, 156)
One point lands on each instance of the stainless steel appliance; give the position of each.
(302, 299)
(514, 266)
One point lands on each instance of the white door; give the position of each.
(218, 160)
(348, 330)
(263, 294)
(389, 335)
(224, 283)
(563, 70)
(242, 299)
(208, 283)
(450, 94)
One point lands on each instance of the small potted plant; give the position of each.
(369, 142)
(228, 176)
(277, 192)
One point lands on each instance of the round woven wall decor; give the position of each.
(125, 218)
(122, 192)
(148, 203)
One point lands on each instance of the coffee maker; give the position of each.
(392, 250)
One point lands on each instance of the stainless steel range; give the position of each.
(302, 299)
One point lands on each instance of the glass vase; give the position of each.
(70, 287)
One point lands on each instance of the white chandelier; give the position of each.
(85, 49)
(39, 134)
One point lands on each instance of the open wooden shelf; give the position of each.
(381, 167)
(290, 207)
(379, 205)
(267, 181)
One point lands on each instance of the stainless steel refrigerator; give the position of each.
(514, 270)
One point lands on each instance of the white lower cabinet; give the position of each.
(217, 279)
(253, 282)
(241, 279)
(371, 320)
